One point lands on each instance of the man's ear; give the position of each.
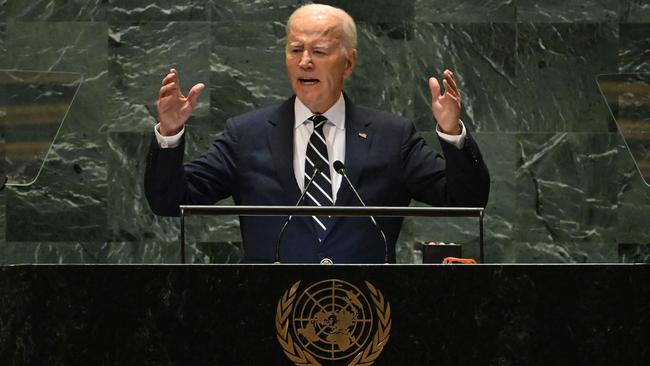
(350, 63)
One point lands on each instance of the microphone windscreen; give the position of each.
(339, 167)
(320, 166)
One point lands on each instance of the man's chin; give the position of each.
(308, 91)
(314, 104)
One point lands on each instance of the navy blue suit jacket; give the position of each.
(252, 161)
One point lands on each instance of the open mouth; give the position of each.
(308, 81)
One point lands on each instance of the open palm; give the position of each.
(446, 107)
(174, 109)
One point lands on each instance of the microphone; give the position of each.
(340, 168)
(319, 167)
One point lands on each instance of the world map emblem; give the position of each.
(331, 322)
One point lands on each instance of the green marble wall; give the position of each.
(564, 187)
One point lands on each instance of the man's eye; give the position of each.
(319, 52)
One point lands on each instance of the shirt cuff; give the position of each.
(168, 142)
(456, 140)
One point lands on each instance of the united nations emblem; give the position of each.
(332, 320)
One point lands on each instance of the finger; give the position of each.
(194, 93)
(175, 79)
(449, 90)
(167, 90)
(164, 99)
(449, 76)
(434, 86)
(169, 78)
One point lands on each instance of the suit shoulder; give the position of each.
(385, 119)
(255, 116)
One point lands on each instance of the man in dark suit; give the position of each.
(267, 156)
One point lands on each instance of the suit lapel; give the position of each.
(280, 138)
(358, 138)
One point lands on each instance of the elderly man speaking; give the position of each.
(271, 155)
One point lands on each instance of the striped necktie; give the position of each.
(319, 192)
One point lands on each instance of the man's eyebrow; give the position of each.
(323, 42)
(323, 45)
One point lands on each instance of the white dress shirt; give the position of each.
(334, 131)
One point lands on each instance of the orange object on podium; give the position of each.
(454, 260)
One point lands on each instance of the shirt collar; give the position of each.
(335, 115)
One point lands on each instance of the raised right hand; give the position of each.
(173, 107)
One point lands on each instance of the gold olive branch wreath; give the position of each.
(301, 357)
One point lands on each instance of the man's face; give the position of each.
(316, 63)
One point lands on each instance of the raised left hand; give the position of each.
(446, 108)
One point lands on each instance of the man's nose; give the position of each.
(305, 60)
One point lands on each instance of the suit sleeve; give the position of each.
(460, 178)
(169, 183)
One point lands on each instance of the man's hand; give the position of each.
(173, 107)
(446, 108)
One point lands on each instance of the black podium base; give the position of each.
(232, 314)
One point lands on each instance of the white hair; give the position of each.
(349, 41)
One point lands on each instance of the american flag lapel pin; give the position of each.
(363, 135)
